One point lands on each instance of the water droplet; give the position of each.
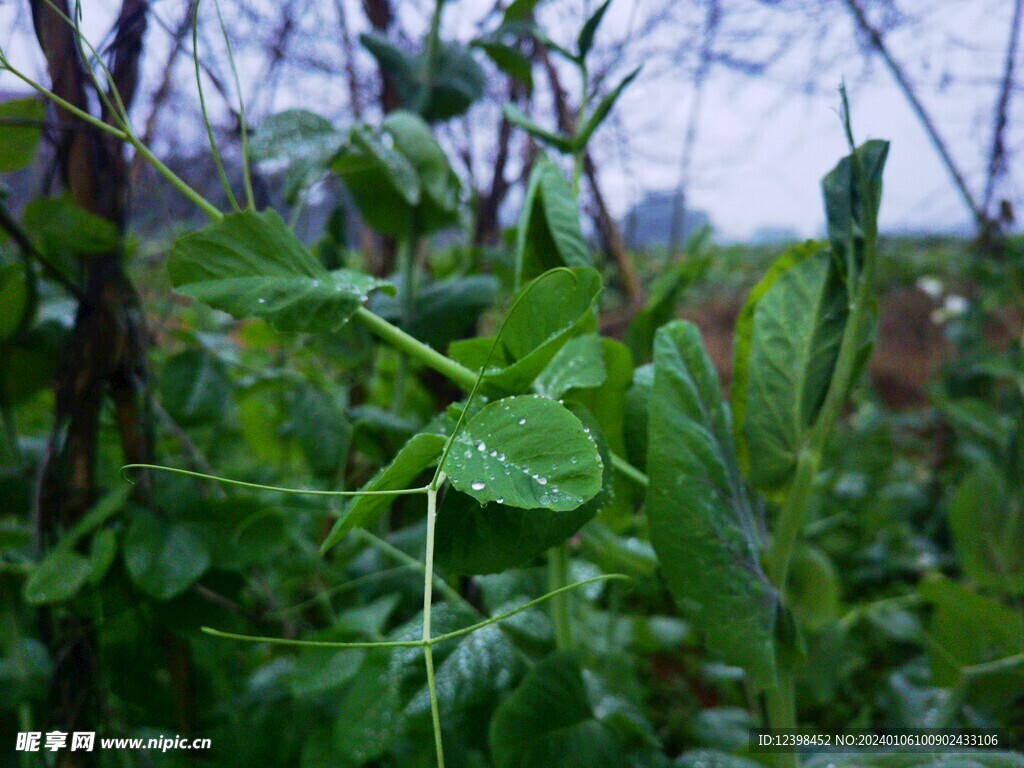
(478, 486)
(522, 422)
(481, 447)
(493, 454)
(469, 453)
(500, 499)
(261, 300)
(542, 480)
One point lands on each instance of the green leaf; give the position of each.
(304, 140)
(163, 558)
(968, 629)
(527, 452)
(586, 37)
(59, 577)
(456, 83)
(509, 60)
(545, 315)
(194, 387)
(579, 364)
(321, 429)
(475, 539)
(62, 230)
(102, 552)
(251, 265)
(787, 342)
(601, 111)
(15, 300)
(519, 10)
(440, 187)
(987, 523)
(549, 720)
(422, 451)
(554, 140)
(812, 591)
(549, 233)
(21, 125)
(702, 523)
(845, 207)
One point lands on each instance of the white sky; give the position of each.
(763, 144)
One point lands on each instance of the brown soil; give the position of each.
(910, 349)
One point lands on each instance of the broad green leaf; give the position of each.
(475, 538)
(31, 359)
(703, 525)
(321, 429)
(787, 342)
(440, 187)
(553, 309)
(987, 523)
(549, 720)
(163, 558)
(968, 629)
(549, 234)
(251, 265)
(62, 230)
(305, 141)
(578, 364)
(527, 452)
(601, 111)
(638, 404)
(846, 208)
(456, 83)
(15, 300)
(194, 387)
(421, 452)
(449, 309)
(586, 37)
(382, 182)
(58, 577)
(21, 125)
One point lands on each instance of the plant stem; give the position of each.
(428, 596)
(626, 469)
(558, 578)
(791, 519)
(407, 264)
(781, 709)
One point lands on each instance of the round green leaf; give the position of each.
(194, 387)
(163, 559)
(57, 578)
(526, 452)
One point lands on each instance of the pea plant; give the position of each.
(556, 438)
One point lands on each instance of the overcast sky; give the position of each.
(763, 144)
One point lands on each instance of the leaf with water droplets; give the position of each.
(577, 365)
(521, 450)
(250, 264)
(422, 451)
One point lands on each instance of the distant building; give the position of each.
(648, 224)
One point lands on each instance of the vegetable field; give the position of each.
(375, 491)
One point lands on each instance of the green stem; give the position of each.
(558, 578)
(428, 597)
(791, 518)
(626, 469)
(407, 265)
(781, 709)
